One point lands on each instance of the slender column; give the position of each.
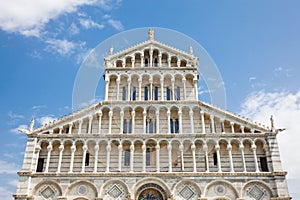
(173, 88)
(110, 121)
(253, 147)
(193, 148)
(222, 126)
(184, 88)
(151, 89)
(212, 124)
(243, 129)
(192, 121)
(159, 59)
(243, 157)
(169, 121)
(217, 148)
(206, 157)
(151, 57)
(73, 149)
(170, 156)
(90, 124)
(83, 158)
(108, 149)
(70, 128)
(96, 157)
(229, 149)
(133, 121)
(142, 61)
(99, 121)
(144, 120)
(181, 156)
(180, 121)
(120, 148)
(157, 148)
(178, 63)
(129, 89)
(106, 87)
(202, 122)
(49, 149)
(132, 63)
(131, 157)
(157, 121)
(80, 125)
(60, 130)
(162, 88)
(118, 88)
(232, 127)
(61, 149)
(144, 156)
(121, 122)
(169, 61)
(123, 62)
(196, 87)
(140, 89)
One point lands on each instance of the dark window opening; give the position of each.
(174, 126)
(127, 158)
(264, 164)
(130, 126)
(156, 93)
(40, 165)
(124, 94)
(155, 62)
(67, 130)
(146, 62)
(133, 94)
(124, 126)
(87, 127)
(146, 94)
(168, 94)
(148, 161)
(215, 157)
(178, 93)
(87, 159)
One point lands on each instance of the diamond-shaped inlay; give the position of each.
(256, 192)
(186, 192)
(48, 192)
(115, 191)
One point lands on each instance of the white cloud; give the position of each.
(116, 24)
(8, 167)
(285, 107)
(16, 130)
(63, 47)
(88, 23)
(15, 116)
(46, 119)
(73, 30)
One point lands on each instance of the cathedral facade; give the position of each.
(151, 138)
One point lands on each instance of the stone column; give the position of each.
(243, 157)
(133, 121)
(170, 156)
(205, 148)
(181, 156)
(159, 59)
(184, 88)
(131, 157)
(243, 129)
(49, 149)
(151, 57)
(90, 124)
(169, 61)
(178, 63)
(84, 148)
(96, 157)
(129, 89)
(157, 148)
(132, 63)
(142, 61)
(229, 149)
(118, 88)
(253, 148)
(222, 126)
(108, 149)
(120, 148)
(192, 121)
(140, 89)
(60, 130)
(180, 121)
(99, 121)
(162, 88)
(123, 62)
(217, 148)
(173, 88)
(80, 125)
(144, 120)
(70, 128)
(212, 124)
(232, 127)
(193, 148)
(157, 121)
(110, 121)
(121, 121)
(203, 122)
(169, 121)
(144, 156)
(61, 149)
(73, 149)
(106, 87)
(196, 87)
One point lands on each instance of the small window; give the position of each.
(133, 94)
(155, 62)
(176, 126)
(148, 157)
(264, 164)
(130, 126)
(178, 93)
(40, 165)
(127, 158)
(87, 159)
(146, 93)
(124, 126)
(156, 93)
(146, 62)
(124, 94)
(168, 94)
(215, 157)
(87, 127)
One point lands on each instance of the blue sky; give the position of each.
(255, 45)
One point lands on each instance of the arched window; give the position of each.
(146, 92)
(127, 157)
(155, 62)
(148, 158)
(87, 159)
(178, 93)
(215, 157)
(168, 94)
(124, 93)
(133, 94)
(146, 62)
(156, 93)
(174, 123)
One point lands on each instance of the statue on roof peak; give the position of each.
(151, 34)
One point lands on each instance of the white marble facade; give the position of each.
(151, 138)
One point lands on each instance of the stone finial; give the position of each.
(272, 123)
(191, 50)
(151, 34)
(111, 51)
(31, 125)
